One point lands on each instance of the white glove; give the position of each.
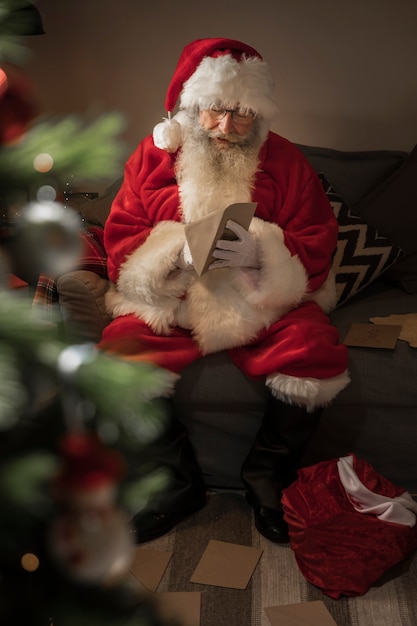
(240, 252)
(185, 260)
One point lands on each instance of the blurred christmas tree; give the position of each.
(69, 415)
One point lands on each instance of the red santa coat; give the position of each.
(271, 320)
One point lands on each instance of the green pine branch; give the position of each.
(18, 18)
(89, 151)
(122, 391)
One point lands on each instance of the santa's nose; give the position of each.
(226, 123)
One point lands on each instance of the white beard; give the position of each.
(211, 178)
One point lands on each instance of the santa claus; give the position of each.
(266, 295)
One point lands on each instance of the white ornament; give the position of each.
(92, 545)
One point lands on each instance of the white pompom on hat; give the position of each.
(215, 71)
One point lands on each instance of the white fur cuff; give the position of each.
(150, 285)
(310, 393)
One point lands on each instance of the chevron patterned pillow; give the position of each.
(361, 254)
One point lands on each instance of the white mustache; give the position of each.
(231, 137)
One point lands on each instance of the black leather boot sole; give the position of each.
(271, 524)
(149, 525)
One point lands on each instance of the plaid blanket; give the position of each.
(92, 257)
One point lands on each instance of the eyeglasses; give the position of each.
(239, 116)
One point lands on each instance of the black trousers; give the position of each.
(277, 451)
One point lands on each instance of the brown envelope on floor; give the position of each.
(301, 614)
(408, 323)
(179, 607)
(226, 564)
(372, 335)
(149, 566)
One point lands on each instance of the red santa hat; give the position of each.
(215, 71)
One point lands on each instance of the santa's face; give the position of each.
(226, 127)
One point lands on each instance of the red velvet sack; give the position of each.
(338, 548)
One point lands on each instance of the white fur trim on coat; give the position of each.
(310, 393)
(150, 285)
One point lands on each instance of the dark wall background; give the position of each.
(346, 72)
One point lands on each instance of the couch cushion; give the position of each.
(392, 209)
(354, 174)
(362, 254)
(81, 297)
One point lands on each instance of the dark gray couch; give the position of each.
(376, 415)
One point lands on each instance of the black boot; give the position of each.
(272, 463)
(186, 492)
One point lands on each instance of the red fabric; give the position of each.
(87, 463)
(17, 104)
(130, 336)
(299, 343)
(14, 282)
(340, 550)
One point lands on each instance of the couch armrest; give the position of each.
(81, 299)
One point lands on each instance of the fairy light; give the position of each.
(43, 162)
(46, 193)
(3, 81)
(71, 358)
(29, 562)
